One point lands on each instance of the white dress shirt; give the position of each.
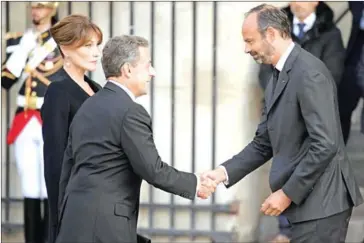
(309, 22)
(282, 60)
(132, 96)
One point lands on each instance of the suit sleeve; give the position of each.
(55, 115)
(334, 55)
(316, 99)
(137, 142)
(67, 165)
(255, 154)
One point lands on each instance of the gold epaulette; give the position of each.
(48, 68)
(13, 35)
(45, 34)
(8, 74)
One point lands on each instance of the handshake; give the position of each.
(274, 205)
(208, 181)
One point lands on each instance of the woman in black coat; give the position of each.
(78, 40)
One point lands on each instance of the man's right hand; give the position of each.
(218, 175)
(205, 187)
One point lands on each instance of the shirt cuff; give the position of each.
(226, 182)
(198, 183)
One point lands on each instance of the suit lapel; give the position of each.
(283, 78)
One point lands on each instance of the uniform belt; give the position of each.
(20, 101)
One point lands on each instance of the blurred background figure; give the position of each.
(361, 82)
(313, 27)
(32, 58)
(349, 89)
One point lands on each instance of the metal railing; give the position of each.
(152, 206)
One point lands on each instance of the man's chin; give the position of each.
(263, 61)
(36, 22)
(144, 93)
(141, 95)
(258, 61)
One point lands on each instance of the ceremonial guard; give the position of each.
(32, 59)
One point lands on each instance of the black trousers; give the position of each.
(332, 229)
(35, 225)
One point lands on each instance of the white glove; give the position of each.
(29, 41)
(16, 62)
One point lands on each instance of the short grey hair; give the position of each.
(270, 16)
(120, 50)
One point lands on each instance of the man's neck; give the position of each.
(302, 19)
(280, 50)
(40, 28)
(123, 83)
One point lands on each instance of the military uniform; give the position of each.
(32, 59)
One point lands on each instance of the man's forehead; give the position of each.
(144, 50)
(144, 53)
(250, 27)
(250, 21)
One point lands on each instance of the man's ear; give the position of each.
(270, 34)
(125, 69)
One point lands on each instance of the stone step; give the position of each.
(356, 224)
(356, 230)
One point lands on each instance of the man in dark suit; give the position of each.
(111, 150)
(311, 178)
(313, 28)
(360, 70)
(349, 89)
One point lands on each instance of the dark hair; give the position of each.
(270, 16)
(74, 30)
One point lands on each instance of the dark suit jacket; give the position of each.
(300, 128)
(112, 150)
(61, 102)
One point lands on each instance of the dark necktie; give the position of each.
(301, 33)
(275, 78)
